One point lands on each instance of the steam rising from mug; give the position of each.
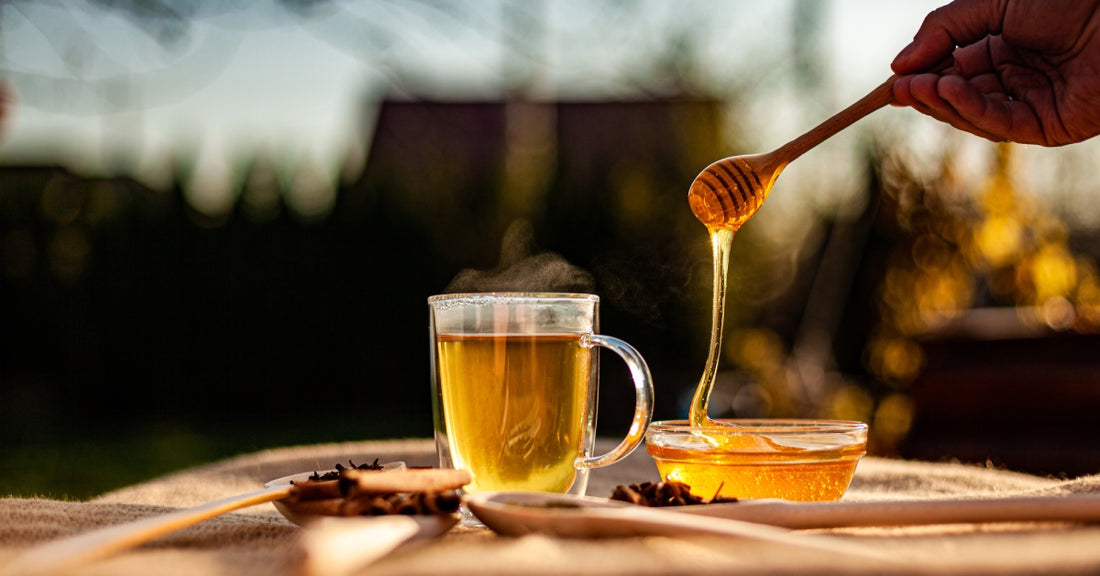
(519, 270)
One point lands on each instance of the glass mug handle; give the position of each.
(643, 405)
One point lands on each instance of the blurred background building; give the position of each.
(220, 222)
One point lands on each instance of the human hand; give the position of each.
(1024, 71)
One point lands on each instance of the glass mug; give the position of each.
(514, 389)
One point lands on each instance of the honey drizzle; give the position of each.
(723, 197)
(720, 240)
(745, 182)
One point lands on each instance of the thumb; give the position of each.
(959, 23)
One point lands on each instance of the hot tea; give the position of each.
(516, 407)
(514, 382)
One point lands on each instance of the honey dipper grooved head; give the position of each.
(726, 194)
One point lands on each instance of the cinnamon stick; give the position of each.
(356, 482)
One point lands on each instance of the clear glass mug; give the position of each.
(514, 389)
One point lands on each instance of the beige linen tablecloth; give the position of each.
(259, 541)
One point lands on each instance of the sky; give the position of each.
(100, 94)
(262, 76)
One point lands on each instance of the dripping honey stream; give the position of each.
(726, 194)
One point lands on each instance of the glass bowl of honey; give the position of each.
(792, 459)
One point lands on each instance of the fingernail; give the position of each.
(903, 55)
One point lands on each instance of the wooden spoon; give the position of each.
(519, 513)
(67, 552)
(55, 556)
(728, 192)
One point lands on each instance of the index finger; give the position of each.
(959, 23)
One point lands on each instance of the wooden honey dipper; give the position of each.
(728, 192)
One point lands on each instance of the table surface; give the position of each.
(260, 541)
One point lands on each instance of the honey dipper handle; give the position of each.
(874, 100)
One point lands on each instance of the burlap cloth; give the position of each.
(259, 541)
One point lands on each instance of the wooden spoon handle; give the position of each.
(53, 556)
(806, 515)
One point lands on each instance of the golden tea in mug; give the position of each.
(516, 407)
(514, 379)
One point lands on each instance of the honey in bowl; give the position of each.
(802, 460)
